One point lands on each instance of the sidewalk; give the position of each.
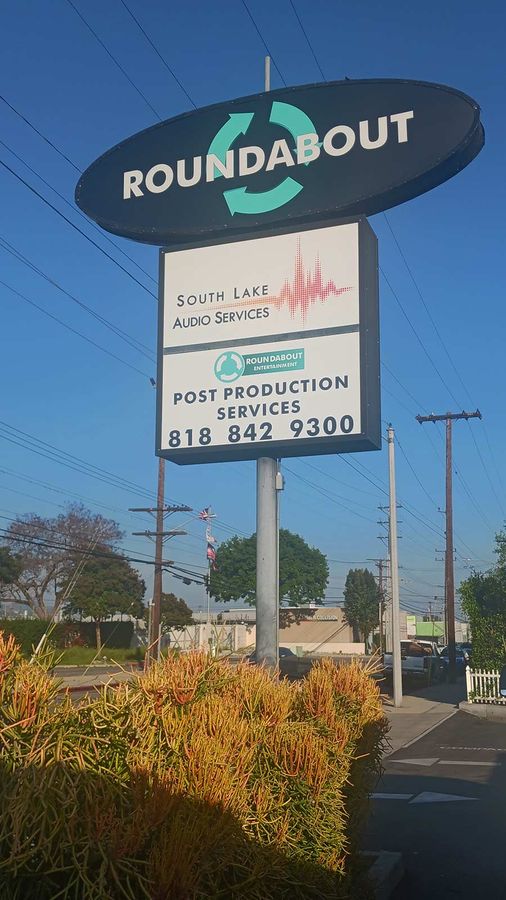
(420, 712)
(93, 679)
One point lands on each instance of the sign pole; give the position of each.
(267, 542)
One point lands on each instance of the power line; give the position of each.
(327, 494)
(418, 480)
(159, 55)
(260, 35)
(74, 330)
(449, 357)
(40, 134)
(304, 32)
(74, 209)
(74, 226)
(417, 336)
(123, 335)
(115, 61)
(49, 451)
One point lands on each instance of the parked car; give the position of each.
(462, 659)
(283, 653)
(420, 660)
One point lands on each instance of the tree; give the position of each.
(10, 567)
(361, 602)
(107, 585)
(484, 603)
(303, 571)
(49, 550)
(174, 612)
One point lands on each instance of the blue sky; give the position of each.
(65, 391)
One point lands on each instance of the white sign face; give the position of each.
(278, 391)
(267, 347)
(298, 282)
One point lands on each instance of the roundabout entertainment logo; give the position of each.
(229, 366)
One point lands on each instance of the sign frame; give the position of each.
(430, 162)
(369, 359)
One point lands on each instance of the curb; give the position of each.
(385, 873)
(75, 688)
(484, 710)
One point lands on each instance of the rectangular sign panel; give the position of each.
(269, 347)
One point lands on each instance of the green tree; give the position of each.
(303, 571)
(484, 603)
(50, 550)
(174, 612)
(106, 586)
(361, 602)
(10, 567)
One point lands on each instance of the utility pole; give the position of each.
(449, 565)
(160, 511)
(267, 580)
(394, 574)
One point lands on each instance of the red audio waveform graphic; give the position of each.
(304, 291)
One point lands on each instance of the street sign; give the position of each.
(269, 346)
(297, 155)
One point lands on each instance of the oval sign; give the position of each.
(346, 148)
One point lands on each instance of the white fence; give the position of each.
(483, 686)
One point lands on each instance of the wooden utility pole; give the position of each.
(449, 565)
(160, 511)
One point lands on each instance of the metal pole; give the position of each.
(449, 571)
(394, 574)
(267, 74)
(267, 580)
(157, 581)
(266, 570)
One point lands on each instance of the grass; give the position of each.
(84, 656)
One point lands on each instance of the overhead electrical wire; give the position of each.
(260, 35)
(40, 134)
(115, 329)
(76, 210)
(75, 227)
(114, 60)
(50, 451)
(159, 55)
(74, 330)
(451, 361)
(304, 32)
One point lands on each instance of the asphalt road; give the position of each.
(442, 803)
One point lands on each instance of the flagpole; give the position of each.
(208, 590)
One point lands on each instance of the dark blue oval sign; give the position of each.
(347, 148)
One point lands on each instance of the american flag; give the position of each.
(211, 553)
(206, 514)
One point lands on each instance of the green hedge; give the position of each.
(28, 632)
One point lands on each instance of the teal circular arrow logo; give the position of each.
(229, 366)
(241, 200)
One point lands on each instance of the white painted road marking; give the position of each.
(434, 760)
(424, 797)
(466, 762)
(492, 749)
(428, 761)
(433, 797)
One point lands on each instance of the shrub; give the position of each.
(28, 632)
(195, 780)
